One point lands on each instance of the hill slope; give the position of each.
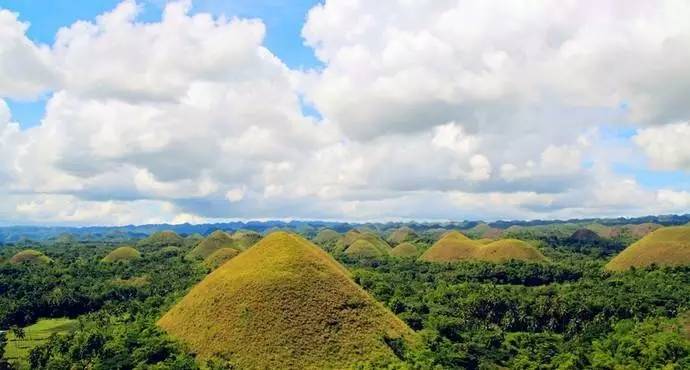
(405, 250)
(363, 249)
(455, 246)
(401, 235)
(508, 249)
(217, 240)
(219, 257)
(284, 303)
(122, 254)
(162, 239)
(30, 256)
(668, 246)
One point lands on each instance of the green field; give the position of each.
(17, 350)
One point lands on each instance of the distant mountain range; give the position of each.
(13, 234)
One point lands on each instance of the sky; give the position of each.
(128, 112)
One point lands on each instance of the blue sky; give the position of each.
(283, 21)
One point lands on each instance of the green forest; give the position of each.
(569, 312)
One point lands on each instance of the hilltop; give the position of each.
(362, 248)
(30, 256)
(405, 250)
(162, 239)
(669, 246)
(371, 237)
(402, 234)
(217, 240)
(244, 239)
(455, 246)
(284, 303)
(124, 254)
(326, 236)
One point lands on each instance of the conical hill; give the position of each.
(668, 246)
(217, 240)
(287, 304)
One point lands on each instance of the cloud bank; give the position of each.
(427, 110)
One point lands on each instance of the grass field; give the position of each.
(17, 350)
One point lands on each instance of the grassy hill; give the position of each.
(123, 254)
(162, 239)
(353, 236)
(30, 256)
(219, 257)
(326, 236)
(284, 303)
(505, 250)
(668, 246)
(364, 249)
(217, 240)
(455, 246)
(401, 235)
(244, 239)
(405, 250)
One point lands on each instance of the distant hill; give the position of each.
(219, 257)
(122, 254)
(405, 250)
(326, 236)
(455, 246)
(362, 248)
(668, 246)
(162, 239)
(401, 235)
(285, 303)
(217, 240)
(130, 233)
(30, 256)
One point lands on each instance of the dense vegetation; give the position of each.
(569, 313)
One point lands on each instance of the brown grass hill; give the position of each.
(584, 236)
(364, 249)
(244, 239)
(485, 241)
(354, 235)
(483, 230)
(505, 250)
(405, 250)
(642, 230)
(602, 230)
(219, 257)
(192, 240)
(402, 235)
(326, 236)
(350, 237)
(217, 240)
(30, 256)
(162, 239)
(285, 304)
(455, 247)
(668, 246)
(122, 254)
(452, 247)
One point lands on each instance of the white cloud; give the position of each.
(677, 200)
(667, 146)
(430, 110)
(412, 65)
(25, 68)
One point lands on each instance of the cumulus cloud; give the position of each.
(667, 146)
(26, 69)
(430, 110)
